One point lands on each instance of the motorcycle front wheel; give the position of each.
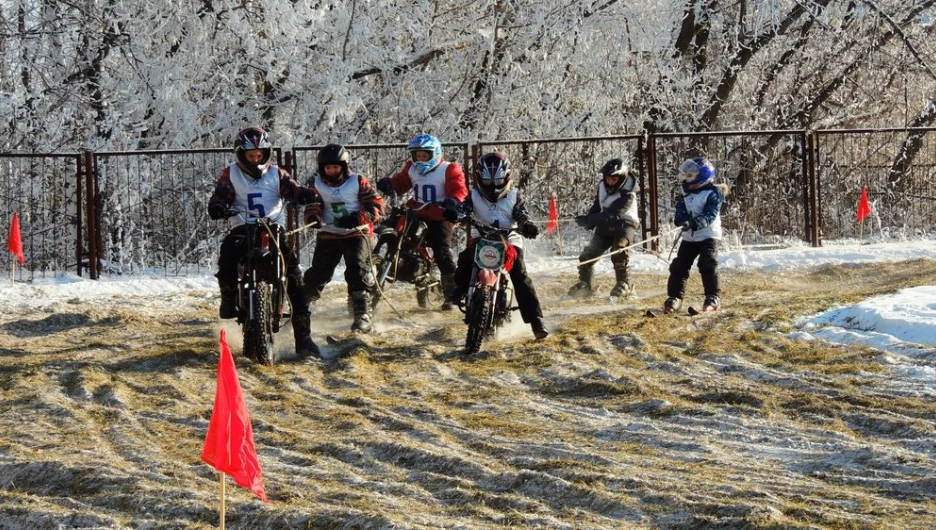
(478, 316)
(258, 327)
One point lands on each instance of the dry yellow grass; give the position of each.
(615, 421)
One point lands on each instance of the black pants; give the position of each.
(328, 252)
(439, 239)
(602, 242)
(233, 247)
(707, 252)
(522, 284)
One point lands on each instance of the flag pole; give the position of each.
(221, 477)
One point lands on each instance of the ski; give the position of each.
(690, 311)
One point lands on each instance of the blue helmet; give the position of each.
(425, 142)
(696, 172)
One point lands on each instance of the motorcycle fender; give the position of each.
(486, 277)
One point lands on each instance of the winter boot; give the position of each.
(228, 308)
(305, 346)
(583, 289)
(711, 303)
(621, 287)
(450, 292)
(672, 305)
(362, 319)
(539, 330)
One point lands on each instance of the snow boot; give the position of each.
(449, 291)
(711, 303)
(228, 307)
(621, 287)
(583, 289)
(539, 329)
(361, 304)
(672, 305)
(305, 346)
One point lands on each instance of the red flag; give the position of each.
(864, 207)
(553, 215)
(15, 243)
(229, 444)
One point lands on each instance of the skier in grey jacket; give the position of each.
(613, 216)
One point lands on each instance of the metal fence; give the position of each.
(138, 212)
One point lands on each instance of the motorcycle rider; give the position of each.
(613, 216)
(436, 185)
(493, 201)
(255, 184)
(345, 199)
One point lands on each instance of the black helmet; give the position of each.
(247, 140)
(617, 168)
(334, 154)
(493, 177)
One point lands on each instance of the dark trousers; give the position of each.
(707, 252)
(522, 284)
(233, 247)
(328, 253)
(439, 239)
(602, 242)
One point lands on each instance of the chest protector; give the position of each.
(500, 212)
(260, 197)
(431, 186)
(341, 201)
(606, 199)
(695, 204)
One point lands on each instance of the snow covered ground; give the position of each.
(903, 319)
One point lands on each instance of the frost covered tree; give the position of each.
(130, 74)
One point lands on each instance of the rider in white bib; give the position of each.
(494, 202)
(698, 212)
(256, 187)
(613, 216)
(350, 205)
(435, 185)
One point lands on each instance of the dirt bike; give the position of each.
(490, 294)
(400, 254)
(261, 298)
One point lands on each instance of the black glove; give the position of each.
(218, 211)
(306, 196)
(450, 214)
(688, 225)
(582, 220)
(529, 230)
(385, 186)
(348, 221)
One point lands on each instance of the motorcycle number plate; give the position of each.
(489, 256)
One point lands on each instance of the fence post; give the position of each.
(91, 198)
(652, 186)
(811, 188)
(291, 221)
(79, 175)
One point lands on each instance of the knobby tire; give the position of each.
(479, 318)
(258, 330)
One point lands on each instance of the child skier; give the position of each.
(492, 201)
(613, 216)
(255, 184)
(698, 212)
(347, 201)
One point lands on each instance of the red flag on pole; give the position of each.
(864, 207)
(553, 215)
(15, 243)
(229, 444)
